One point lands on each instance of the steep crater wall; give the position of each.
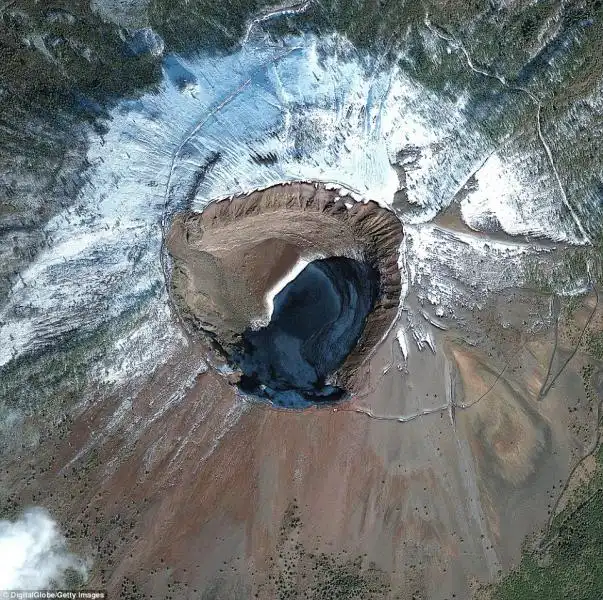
(227, 258)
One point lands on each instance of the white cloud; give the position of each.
(33, 552)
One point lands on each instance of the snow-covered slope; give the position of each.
(301, 109)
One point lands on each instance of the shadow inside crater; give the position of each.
(316, 322)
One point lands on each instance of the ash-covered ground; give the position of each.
(127, 449)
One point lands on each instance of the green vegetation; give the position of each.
(50, 55)
(536, 277)
(61, 68)
(298, 573)
(568, 562)
(192, 25)
(49, 382)
(569, 267)
(570, 565)
(73, 579)
(594, 344)
(550, 274)
(570, 307)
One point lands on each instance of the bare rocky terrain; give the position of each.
(165, 164)
(227, 258)
(406, 490)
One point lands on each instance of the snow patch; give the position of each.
(401, 337)
(307, 108)
(299, 266)
(510, 197)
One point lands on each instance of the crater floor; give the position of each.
(317, 320)
(228, 259)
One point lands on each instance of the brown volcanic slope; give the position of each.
(199, 495)
(227, 257)
(417, 489)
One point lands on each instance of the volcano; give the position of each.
(228, 258)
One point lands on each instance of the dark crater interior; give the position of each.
(324, 324)
(316, 322)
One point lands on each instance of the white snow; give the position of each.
(297, 268)
(322, 111)
(401, 337)
(521, 201)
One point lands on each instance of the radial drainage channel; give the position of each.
(316, 322)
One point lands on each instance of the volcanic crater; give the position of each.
(294, 284)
